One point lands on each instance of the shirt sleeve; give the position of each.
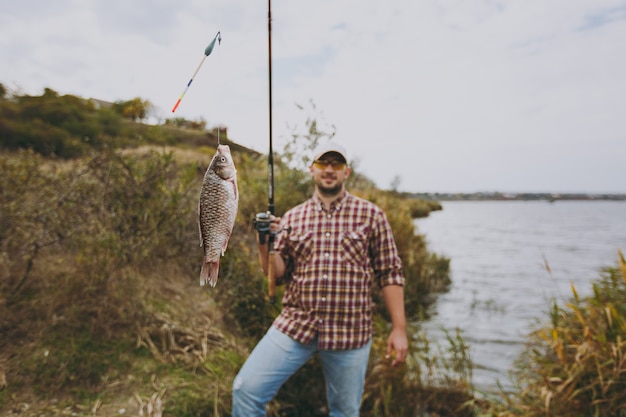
(386, 262)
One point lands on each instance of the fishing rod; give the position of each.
(271, 277)
(270, 206)
(207, 52)
(262, 221)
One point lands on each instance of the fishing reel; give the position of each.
(262, 223)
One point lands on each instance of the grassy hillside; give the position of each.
(100, 308)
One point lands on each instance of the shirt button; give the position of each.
(327, 234)
(321, 321)
(323, 298)
(327, 254)
(329, 216)
(325, 276)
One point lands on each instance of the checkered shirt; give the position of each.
(333, 256)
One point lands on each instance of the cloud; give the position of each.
(450, 96)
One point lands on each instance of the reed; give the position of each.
(575, 361)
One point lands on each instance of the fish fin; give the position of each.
(209, 273)
(235, 189)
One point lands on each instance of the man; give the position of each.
(329, 250)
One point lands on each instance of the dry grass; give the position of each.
(575, 363)
(107, 318)
(100, 310)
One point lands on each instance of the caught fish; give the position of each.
(219, 199)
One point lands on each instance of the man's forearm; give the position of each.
(397, 340)
(393, 296)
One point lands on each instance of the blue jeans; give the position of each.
(276, 357)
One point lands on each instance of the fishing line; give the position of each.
(218, 68)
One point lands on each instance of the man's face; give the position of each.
(329, 173)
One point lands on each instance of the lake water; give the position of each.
(500, 281)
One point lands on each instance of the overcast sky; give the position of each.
(446, 96)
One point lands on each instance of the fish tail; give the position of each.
(209, 273)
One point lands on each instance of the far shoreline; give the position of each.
(498, 196)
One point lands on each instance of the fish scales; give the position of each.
(217, 210)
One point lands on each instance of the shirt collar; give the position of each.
(335, 205)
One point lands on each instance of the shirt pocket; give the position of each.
(354, 247)
(300, 247)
